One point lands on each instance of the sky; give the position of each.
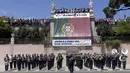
(42, 8)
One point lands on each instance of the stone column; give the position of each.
(95, 37)
(51, 34)
(12, 44)
(53, 7)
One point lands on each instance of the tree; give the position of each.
(115, 6)
(122, 28)
(128, 19)
(5, 30)
(116, 44)
(105, 31)
(31, 36)
(113, 43)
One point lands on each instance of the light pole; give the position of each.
(12, 44)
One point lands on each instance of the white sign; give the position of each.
(72, 15)
(72, 42)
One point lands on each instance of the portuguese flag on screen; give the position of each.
(72, 27)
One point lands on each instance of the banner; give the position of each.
(72, 42)
(72, 27)
(72, 15)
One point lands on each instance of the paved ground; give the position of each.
(74, 72)
(65, 70)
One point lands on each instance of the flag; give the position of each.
(72, 27)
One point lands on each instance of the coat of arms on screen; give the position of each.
(68, 28)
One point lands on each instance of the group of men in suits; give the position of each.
(80, 60)
(33, 61)
(100, 61)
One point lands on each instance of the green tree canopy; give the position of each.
(113, 43)
(35, 35)
(5, 30)
(115, 6)
(105, 31)
(122, 28)
(120, 31)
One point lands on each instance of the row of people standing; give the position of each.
(47, 61)
(29, 62)
(26, 22)
(100, 61)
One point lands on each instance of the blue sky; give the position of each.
(41, 8)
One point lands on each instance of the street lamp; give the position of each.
(12, 44)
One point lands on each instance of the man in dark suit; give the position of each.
(71, 63)
(6, 60)
(19, 61)
(59, 59)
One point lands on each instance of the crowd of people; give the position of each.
(20, 22)
(109, 21)
(106, 21)
(27, 61)
(75, 10)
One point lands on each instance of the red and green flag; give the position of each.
(72, 28)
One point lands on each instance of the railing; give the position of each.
(29, 40)
(23, 41)
(123, 39)
(4, 40)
